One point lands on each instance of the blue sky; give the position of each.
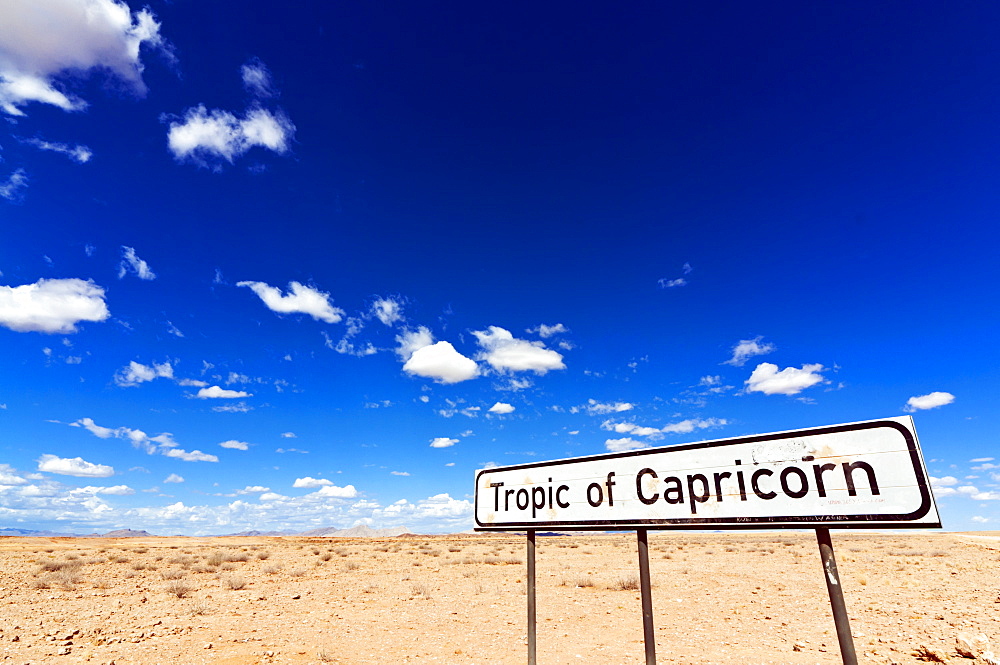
(281, 268)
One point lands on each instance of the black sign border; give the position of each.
(858, 521)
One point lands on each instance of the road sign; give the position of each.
(866, 474)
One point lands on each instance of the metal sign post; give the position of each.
(531, 597)
(836, 591)
(649, 638)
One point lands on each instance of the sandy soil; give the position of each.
(729, 598)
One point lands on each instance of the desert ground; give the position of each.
(717, 598)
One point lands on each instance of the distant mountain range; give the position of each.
(360, 531)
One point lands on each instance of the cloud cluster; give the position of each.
(654, 433)
(16, 181)
(506, 353)
(133, 264)
(51, 305)
(80, 154)
(44, 40)
(162, 444)
(300, 299)
(136, 373)
(443, 442)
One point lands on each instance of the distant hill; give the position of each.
(126, 533)
(263, 533)
(360, 531)
(31, 533)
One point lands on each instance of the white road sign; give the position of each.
(867, 474)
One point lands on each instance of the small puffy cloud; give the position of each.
(790, 381)
(309, 482)
(193, 456)
(504, 352)
(73, 466)
(348, 492)
(545, 331)
(501, 408)
(690, 425)
(624, 444)
(300, 299)
(257, 78)
(16, 181)
(411, 341)
(979, 519)
(288, 435)
(80, 154)
(233, 444)
(44, 39)
(594, 407)
(136, 373)
(443, 442)
(399, 473)
(631, 428)
(748, 348)
(238, 407)
(218, 392)
(253, 489)
(132, 263)
(671, 283)
(928, 401)
(51, 305)
(173, 478)
(205, 137)
(9, 476)
(977, 460)
(388, 310)
(442, 363)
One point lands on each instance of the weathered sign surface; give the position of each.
(867, 474)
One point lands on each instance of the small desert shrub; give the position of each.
(271, 570)
(627, 583)
(582, 582)
(298, 572)
(141, 550)
(453, 548)
(238, 556)
(67, 578)
(512, 560)
(326, 556)
(40, 584)
(263, 556)
(227, 566)
(215, 559)
(179, 588)
(236, 583)
(172, 574)
(351, 565)
(422, 590)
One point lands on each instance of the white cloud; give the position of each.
(982, 459)
(442, 363)
(193, 456)
(238, 407)
(790, 381)
(206, 136)
(502, 408)
(51, 305)
(257, 78)
(310, 482)
(162, 444)
(631, 428)
(671, 283)
(598, 408)
(548, 331)
(173, 478)
(388, 310)
(43, 39)
(80, 154)
(504, 352)
(114, 490)
(136, 373)
(411, 341)
(348, 492)
(946, 481)
(288, 435)
(235, 445)
(73, 466)
(301, 299)
(218, 392)
(443, 442)
(399, 473)
(624, 444)
(16, 181)
(132, 263)
(254, 489)
(690, 425)
(9, 476)
(747, 348)
(929, 401)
